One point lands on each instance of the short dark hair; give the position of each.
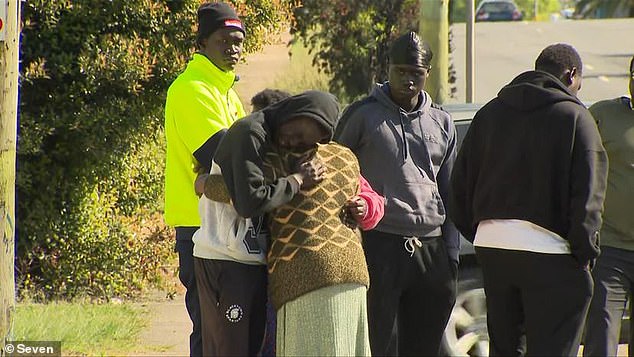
(557, 59)
(267, 97)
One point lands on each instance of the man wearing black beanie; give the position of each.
(406, 149)
(200, 105)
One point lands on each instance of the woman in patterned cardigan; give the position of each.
(280, 161)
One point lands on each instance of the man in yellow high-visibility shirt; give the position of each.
(200, 105)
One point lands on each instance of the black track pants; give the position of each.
(534, 298)
(410, 296)
(233, 306)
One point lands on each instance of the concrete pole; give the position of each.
(9, 44)
(470, 52)
(434, 28)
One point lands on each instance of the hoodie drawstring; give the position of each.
(409, 244)
(405, 148)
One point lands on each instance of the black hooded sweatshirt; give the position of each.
(242, 149)
(533, 153)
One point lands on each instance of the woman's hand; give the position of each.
(311, 173)
(355, 209)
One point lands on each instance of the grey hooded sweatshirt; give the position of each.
(406, 157)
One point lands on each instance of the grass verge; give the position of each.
(83, 328)
(301, 74)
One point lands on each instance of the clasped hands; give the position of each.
(312, 171)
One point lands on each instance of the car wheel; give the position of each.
(466, 333)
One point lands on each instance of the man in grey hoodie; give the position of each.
(406, 149)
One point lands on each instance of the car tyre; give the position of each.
(466, 332)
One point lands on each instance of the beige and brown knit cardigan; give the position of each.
(311, 246)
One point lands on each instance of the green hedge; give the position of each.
(91, 147)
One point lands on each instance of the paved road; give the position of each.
(504, 50)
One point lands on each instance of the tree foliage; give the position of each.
(604, 9)
(349, 38)
(90, 148)
(544, 8)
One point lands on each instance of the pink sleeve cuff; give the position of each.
(375, 205)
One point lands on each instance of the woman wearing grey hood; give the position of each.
(406, 149)
(280, 162)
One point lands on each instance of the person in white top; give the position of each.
(230, 266)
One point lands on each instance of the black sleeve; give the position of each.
(205, 153)
(240, 158)
(588, 179)
(462, 183)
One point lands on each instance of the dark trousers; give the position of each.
(185, 249)
(410, 297)
(613, 276)
(536, 303)
(270, 332)
(233, 306)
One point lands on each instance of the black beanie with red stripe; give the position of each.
(216, 15)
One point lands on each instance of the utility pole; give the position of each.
(434, 28)
(470, 57)
(9, 44)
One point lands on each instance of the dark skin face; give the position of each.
(223, 47)
(406, 82)
(300, 134)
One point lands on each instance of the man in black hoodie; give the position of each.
(527, 189)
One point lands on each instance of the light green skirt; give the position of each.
(331, 321)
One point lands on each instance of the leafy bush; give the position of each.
(544, 9)
(349, 38)
(91, 148)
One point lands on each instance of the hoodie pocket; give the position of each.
(238, 231)
(414, 204)
(227, 225)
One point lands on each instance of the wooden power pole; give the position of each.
(470, 51)
(434, 28)
(9, 44)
